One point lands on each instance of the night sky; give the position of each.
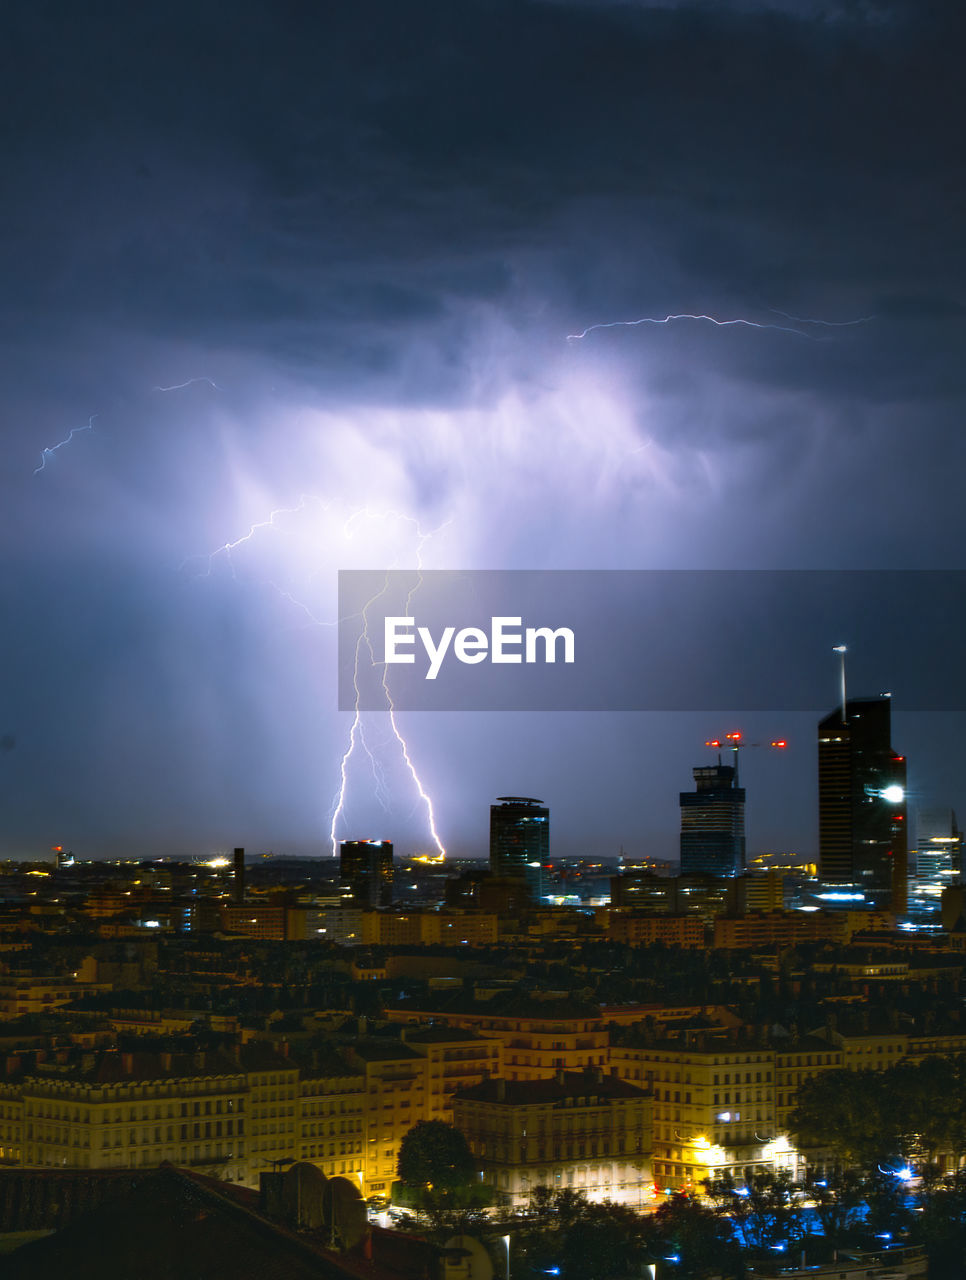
(323, 260)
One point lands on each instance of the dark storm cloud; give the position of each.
(295, 177)
(382, 212)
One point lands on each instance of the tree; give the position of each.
(695, 1239)
(838, 1199)
(766, 1210)
(438, 1176)
(568, 1236)
(434, 1155)
(850, 1113)
(942, 1226)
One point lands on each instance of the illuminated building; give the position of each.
(520, 840)
(643, 929)
(366, 870)
(714, 1107)
(231, 1114)
(939, 851)
(22, 994)
(713, 823)
(779, 928)
(428, 928)
(862, 805)
(339, 924)
(332, 1119)
(395, 1098)
(455, 1060)
(584, 1131)
(539, 1037)
(270, 921)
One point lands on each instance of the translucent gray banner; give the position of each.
(649, 640)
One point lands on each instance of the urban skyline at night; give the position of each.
(556, 285)
(482, 776)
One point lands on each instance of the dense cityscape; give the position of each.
(481, 692)
(742, 1056)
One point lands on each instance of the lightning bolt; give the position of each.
(227, 548)
(357, 734)
(52, 449)
(89, 426)
(721, 324)
(180, 386)
(364, 642)
(826, 324)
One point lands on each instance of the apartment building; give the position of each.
(332, 1121)
(394, 1099)
(643, 929)
(539, 1037)
(585, 1131)
(713, 1106)
(455, 1060)
(797, 1060)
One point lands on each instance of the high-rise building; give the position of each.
(520, 840)
(365, 870)
(238, 876)
(939, 851)
(713, 823)
(862, 804)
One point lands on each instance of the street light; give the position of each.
(506, 1241)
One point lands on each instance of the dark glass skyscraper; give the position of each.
(713, 823)
(862, 804)
(365, 869)
(520, 840)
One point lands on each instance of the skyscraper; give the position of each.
(520, 840)
(862, 804)
(365, 869)
(939, 851)
(238, 876)
(713, 823)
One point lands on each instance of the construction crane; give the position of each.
(737, 744)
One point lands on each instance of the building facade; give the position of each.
(862, 804)
(583, 1131)
(366, 871)
(713, 1108)
(713, 823)
(520, 840)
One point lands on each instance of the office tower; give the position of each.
(365, 869)
(520, 840)
(862, 804)
(939, 851)
(713, 823)
(238, 877)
